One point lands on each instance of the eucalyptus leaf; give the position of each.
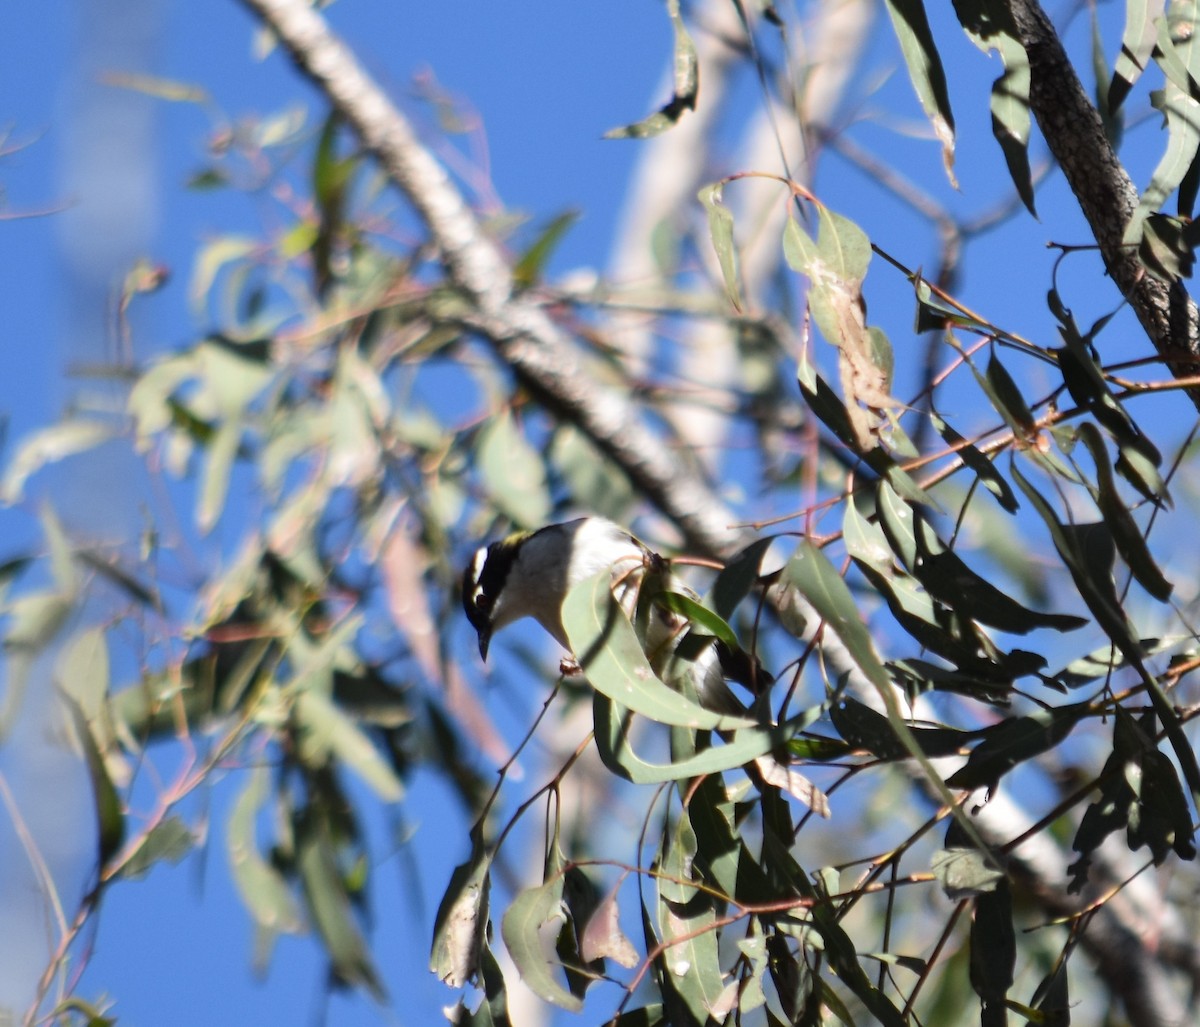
(529, 914)
(612, 658)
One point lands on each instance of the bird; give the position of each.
(530, 573)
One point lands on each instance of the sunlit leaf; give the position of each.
(911, 25)
(49, 446)
(263, 890)
(720, 230)
(1137, 44)
(531, 913)
(608, 650)
(686, 80)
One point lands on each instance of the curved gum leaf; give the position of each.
(607, 647)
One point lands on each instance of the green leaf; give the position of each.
(964, 872)
(1089, 552)
(925, 71)
(1013, 741)
(720, 229)
(1006, 396)
(687, 86)
(531, 265)
(698, 616)
(1130, 542)
(615, 746)
(984, 469)
(690, 963)
(531, 912)
(864, 728)
(513, 472)
(738, 577)
(330, 907)
(1178, 56)
(993, 953)
(50, 445)
(1137, 44)
(835, 264)
(170, 839)
(327, 733)
(263, 889)
(110, 816)
(612, 659)
(990, 25)
(460, 929)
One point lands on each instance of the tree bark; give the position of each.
(1075, 134)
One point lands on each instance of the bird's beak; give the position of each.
(485, 638)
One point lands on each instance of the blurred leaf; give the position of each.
(218, 466)
(533, 911)
(513, 472)
(330, 907)
(328, 733)
(925, 71)
(210, 260)
(49, 446)
(602, 937)
(263, 890)
(110, 815)
(170, 839)
(965, 872)
(592, 479)
(531, 265)
(687, 86)
(720, 229)
(608, 650)
(83, 673)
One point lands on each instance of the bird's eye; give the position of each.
(483, 602)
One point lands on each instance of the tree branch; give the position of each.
(540, 352)
(544, 357)
(1075, 134)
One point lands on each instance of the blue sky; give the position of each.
(548, 78)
